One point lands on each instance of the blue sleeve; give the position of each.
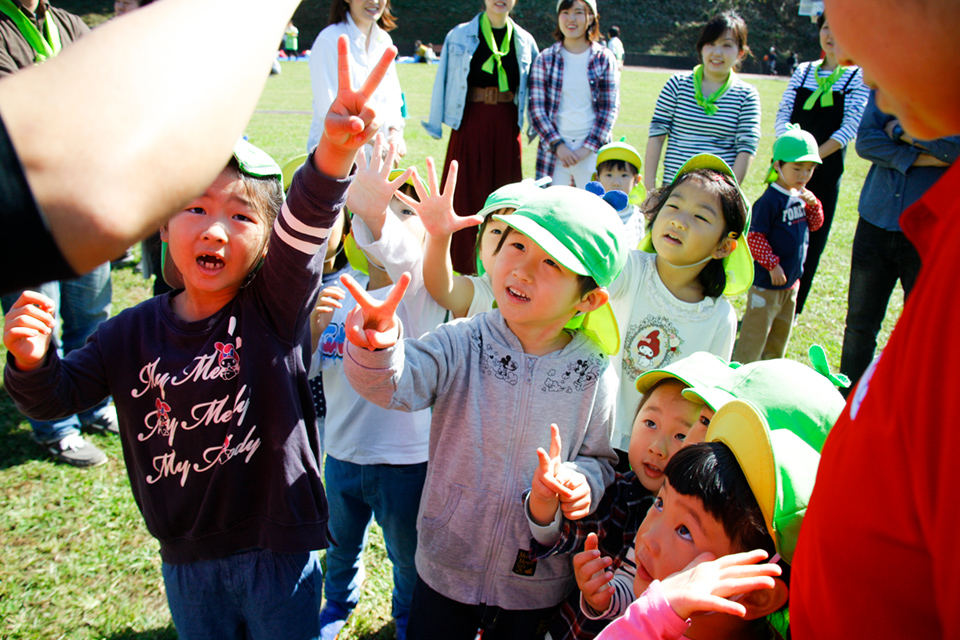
(874, 145)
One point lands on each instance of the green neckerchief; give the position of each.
(709, 105)
(824, 87)
(487, 32)
(46, 45)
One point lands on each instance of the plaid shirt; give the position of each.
(621, 510)
(546, 83)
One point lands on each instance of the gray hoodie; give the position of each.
(492, 407)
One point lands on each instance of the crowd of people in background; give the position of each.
(536, 387)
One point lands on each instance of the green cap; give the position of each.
(509, 196)
(700, 370)
(583, 233)
(795, 145)
(738, 266)
(777, 416)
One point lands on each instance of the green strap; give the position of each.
(709, 105)
(46, 45)
(818, 358)
(824, 87)
(487, 32)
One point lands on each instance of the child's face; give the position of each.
(676, 530)
(218, 239)
(492, 232)
(530, 287)
(689, 226)
(618, 179)
(796, 175)
(574, 20)
(410, 220)
(659, 430)
(720, 56)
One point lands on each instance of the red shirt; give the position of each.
(879, 552)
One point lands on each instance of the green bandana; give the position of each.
(824, 88)
(46, 45)
(487, 32)
(709, 105)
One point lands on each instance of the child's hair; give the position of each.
(483, 226)
(593, 30)
(709, 471)
(266, 194)
(614, 32)
(585, 284)
(340, 8)
(821, 20)
(617, 165)
(718, 25)
(712, 277)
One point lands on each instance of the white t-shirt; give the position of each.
(656, 329)
(575, 114)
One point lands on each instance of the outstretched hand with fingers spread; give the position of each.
(373, 324)
(436, 209)
(593, 578)
(28, 328)
(705, 584)
(371, 190)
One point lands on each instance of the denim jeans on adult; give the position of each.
(256, 594)
(880, 258)
(355, 493)
(82, 303)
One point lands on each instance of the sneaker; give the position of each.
(76, 451)
(105, 422)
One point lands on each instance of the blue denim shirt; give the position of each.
(893, 183)
(450, 86)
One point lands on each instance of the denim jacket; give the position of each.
(450, 86)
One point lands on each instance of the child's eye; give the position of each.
(681, 436)
(407, 212)
(658, 503)
(650, 424)
(684, 533)
(197, 210)
(551, 263)
(699, 217)
(705, 421)
(496, 232)
(242, 218)
(518, 246)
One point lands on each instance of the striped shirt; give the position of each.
(850, 84)
(733, 129)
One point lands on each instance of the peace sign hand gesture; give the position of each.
(373, 324)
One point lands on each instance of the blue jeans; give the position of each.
(355, 494)
(250, 595)
(82, 303)
(880, 258)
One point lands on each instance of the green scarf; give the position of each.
(709, 105)
(46, 45)
(824, 87)
(487, 32)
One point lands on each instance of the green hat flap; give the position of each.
(738, 266)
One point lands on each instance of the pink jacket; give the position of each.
(649, 617)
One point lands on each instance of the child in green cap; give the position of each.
(218, 427)
(495, 383)
(779, 233)
(739, 497)
(618, 169)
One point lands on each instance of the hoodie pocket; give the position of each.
(459, 535)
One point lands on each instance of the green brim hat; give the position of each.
(775, 420)
(795, 145)
(509, 196)
(584, 234)
(252, 161)
(700, 370)
(738, 266)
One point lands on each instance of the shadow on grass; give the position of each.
(164, 633)
(17, 445)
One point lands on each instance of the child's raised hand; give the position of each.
(808, 197)
(350, 122)
(373, 324)
(28, 328)
(327, 302)
(554, 483)
(368, 196)
(436, 209)
(593, 579)
(705, 584)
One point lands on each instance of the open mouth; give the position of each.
(513, 293)
(652, 470)
(672, 238)
(210, 262)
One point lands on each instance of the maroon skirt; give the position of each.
(487, 148)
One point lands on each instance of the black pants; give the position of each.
(434, 616)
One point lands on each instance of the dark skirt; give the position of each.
(487, 148)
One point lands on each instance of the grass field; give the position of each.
(78, 562)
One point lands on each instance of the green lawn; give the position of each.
(78, 561)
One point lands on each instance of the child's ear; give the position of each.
(725, 248)
(763, 602)
(593, 300)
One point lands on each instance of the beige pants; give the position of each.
(765, 330)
